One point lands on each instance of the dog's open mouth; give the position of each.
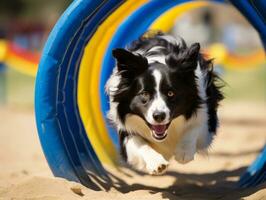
(159, 132)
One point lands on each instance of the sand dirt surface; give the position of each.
(24, 173)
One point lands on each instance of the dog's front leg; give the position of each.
(186, 147)
(142, 156)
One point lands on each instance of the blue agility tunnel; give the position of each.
(70, 102)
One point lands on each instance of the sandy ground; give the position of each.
(24, 173)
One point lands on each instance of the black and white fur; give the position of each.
(163, 101)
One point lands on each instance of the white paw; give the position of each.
(184, 157)
(156, 165)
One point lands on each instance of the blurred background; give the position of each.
(24, 28)
(224, 35)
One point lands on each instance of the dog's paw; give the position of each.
(184, 157)
(156, 165)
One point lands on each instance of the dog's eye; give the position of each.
(145, 96)
(170, 93)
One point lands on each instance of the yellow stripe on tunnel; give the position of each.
(167, 20)
(88, 82)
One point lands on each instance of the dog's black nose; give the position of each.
(159, 116)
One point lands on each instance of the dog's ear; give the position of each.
(193, 51)
(186, 60)
(127, 61)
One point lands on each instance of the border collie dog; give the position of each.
(163, 101)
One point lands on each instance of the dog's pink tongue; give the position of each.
(159, 129)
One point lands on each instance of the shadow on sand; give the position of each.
(204, 186)
(207, 186)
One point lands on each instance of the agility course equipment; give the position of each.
(70, 101)
(18, 58)
(230, 60)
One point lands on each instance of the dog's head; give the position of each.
(157, 90)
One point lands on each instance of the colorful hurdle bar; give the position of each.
(70, 101)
